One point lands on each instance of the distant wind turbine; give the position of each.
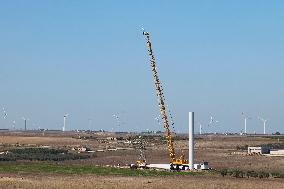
(264, 123)
(90, 123)
(64, 122)
(212, 122)
(25, 121)
(14, 125)
(200, 128)
(4, 113)
(158, 119)
(117, 118)
(245, 118)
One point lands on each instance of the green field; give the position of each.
(98, 170)
(42, 154)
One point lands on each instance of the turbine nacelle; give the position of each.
(246, 116)
(262, 119)
(25, 119)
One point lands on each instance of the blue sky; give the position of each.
(89, 59)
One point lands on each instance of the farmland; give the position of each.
(105, 166)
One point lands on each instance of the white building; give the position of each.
(258, 150)
(277, 152)
(197, 166)
(204, 165)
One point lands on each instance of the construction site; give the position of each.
(107, 160)
(114, 159)
(141, 94)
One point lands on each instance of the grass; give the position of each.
(42, 154)
(251, 173)
(276, 137)
(60, 169)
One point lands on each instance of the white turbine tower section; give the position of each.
(191, 140)
(25, 121)
(264, 123)
(245, 118)
(200, 128)
(64, 122)
(14, 125)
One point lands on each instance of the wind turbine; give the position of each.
(25, 121)
(246, 118)
(117, 118)
(90, 123)
(212, 121)
(14, 125)
(4, 113)
(200, 128)
(142, 28)
(264, 123)
(64, 122)
(158, 119)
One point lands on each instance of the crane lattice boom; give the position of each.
(162, 105)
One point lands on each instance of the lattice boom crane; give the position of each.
(163, 110)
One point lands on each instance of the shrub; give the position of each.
(263, 175)
(41, 154)
(237, 173)
(251, 174)
(224, 172)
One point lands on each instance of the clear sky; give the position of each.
(89, 59)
